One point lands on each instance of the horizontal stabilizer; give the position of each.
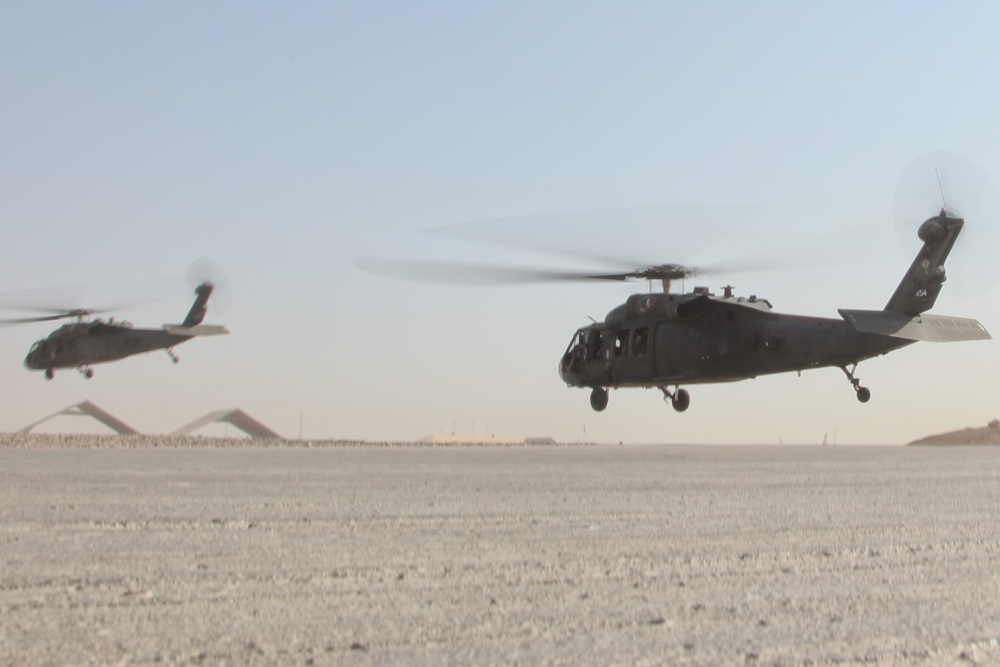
(197, 330)
(930, 328)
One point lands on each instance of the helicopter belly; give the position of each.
(101, 347)
(704, 352)
(795, 344)
(128, 343)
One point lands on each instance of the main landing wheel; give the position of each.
(599, 398)
(679, 399)
(864, 394)
(89, 373)
(49, 373)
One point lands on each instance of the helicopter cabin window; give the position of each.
(621, 342)
(640, 342)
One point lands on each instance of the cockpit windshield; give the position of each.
(586, 344)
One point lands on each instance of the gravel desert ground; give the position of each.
(591, 555)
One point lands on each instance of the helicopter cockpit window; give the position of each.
(640, 342)
(594, 343)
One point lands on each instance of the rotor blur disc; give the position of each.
(204, 270)
(943, 180)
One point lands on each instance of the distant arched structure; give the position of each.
(237, 418)
(88, 409)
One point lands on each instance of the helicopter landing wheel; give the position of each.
(87, 372)
(679, 398)
(599, 399)
(864, 393)
(49, 373)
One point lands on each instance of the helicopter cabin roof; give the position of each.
(88, 327)
(668, 305)
(69, 328)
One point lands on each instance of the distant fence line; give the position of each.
(78, 441)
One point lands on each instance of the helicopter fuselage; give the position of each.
(84, 343)
(656, 340)
(664, 340)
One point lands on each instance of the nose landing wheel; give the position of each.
(599, 399)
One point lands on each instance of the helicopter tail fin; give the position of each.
(200, 306)
(919, 289)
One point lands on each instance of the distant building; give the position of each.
(88, 409)
(237, 418)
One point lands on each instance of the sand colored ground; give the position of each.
(553, 556)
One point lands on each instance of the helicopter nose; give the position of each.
(35, 356)
(565, 372)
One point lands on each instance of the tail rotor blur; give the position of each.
(944, 181)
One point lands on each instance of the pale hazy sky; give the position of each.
(282, 140)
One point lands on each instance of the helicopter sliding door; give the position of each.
(629, 352)
(700, 350)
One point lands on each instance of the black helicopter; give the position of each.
(666, 340)
(85, 342)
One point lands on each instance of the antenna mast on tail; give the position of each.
(944, 204)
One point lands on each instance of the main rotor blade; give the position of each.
(717, 240)
(54, 300)
(458, 273)
(49, 318)
(55, 303)
(26, 320)
(685, 231)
